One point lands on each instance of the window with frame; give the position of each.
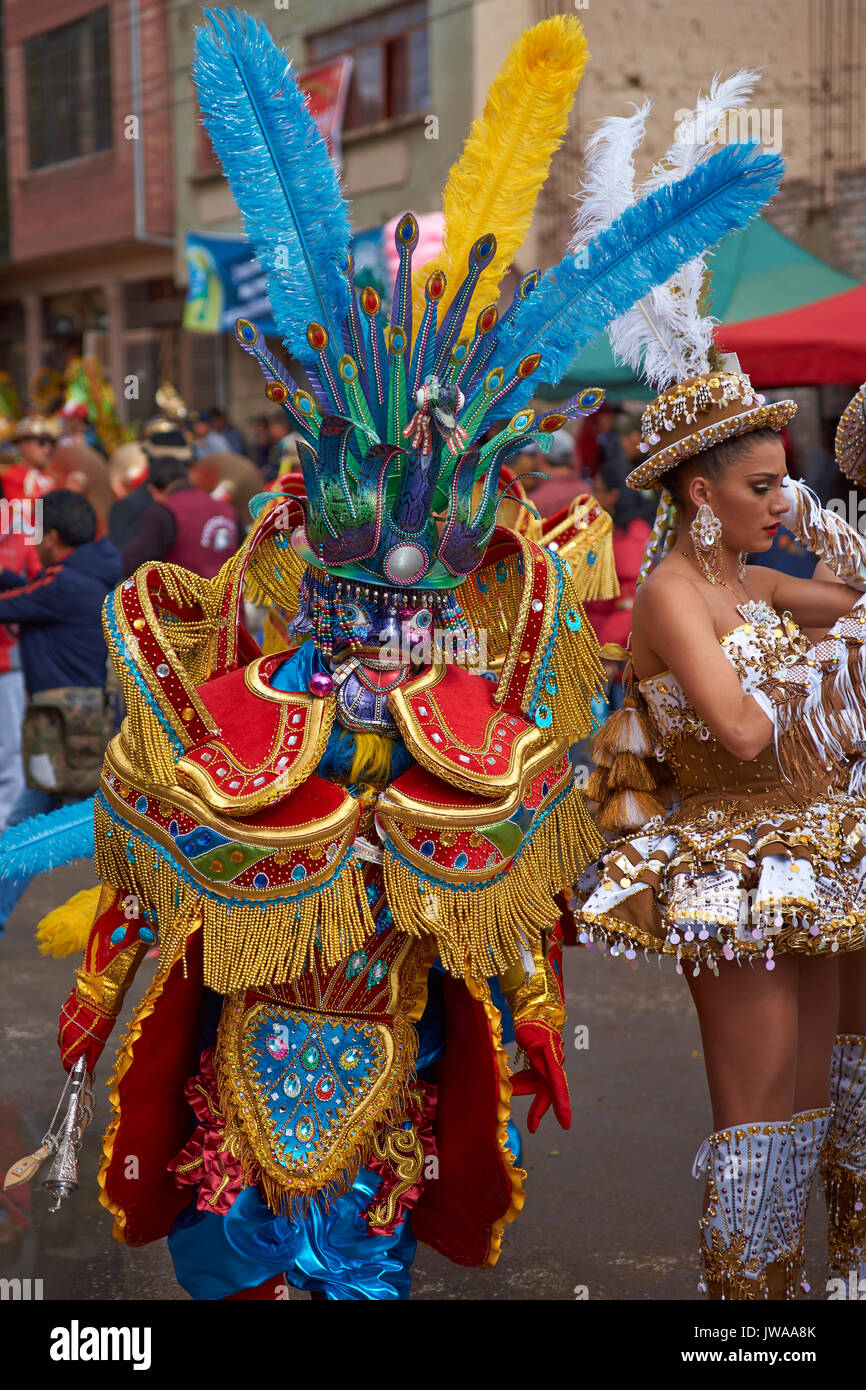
(67, 74)
(390, 72)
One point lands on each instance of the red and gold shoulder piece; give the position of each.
(450, 724)
(269, 889)
(266, 741)
(140, 615)
(479, 875)
(582, 534)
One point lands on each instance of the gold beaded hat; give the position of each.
(693, 415)
(851, 439)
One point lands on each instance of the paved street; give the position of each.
(610, 1207)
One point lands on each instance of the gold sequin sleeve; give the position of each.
(535, 997)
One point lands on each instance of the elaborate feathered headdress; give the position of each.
(408, 423)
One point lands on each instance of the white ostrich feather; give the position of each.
(607, 188)
(665, 336)
(695, 136)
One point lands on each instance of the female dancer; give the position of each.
(754, 881)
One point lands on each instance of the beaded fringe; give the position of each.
(274, 575)
(578, 673)
(845, 1196)
(597, 579)
(492, 601)
(488, 928)
(245, 943)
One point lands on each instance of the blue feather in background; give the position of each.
(280, 173)
(645, 246)
(45, 842)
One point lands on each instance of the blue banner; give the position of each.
(226, 282)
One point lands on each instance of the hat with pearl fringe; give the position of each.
(693, 415)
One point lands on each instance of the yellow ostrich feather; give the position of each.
(64, 930)
(494, 185)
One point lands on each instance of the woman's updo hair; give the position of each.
(715, 461)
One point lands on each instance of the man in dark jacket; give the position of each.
(186, 527)
(58, 615)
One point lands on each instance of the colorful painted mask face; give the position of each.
(368, 622)
(382, 626)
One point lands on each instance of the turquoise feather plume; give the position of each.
(43, 843)
(644, 247)
(278, 166)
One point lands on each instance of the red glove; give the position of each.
(83, 1032)
(545, 1076)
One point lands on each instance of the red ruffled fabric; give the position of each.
(205, 1164)
(421, 1117)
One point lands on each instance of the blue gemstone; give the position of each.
(261, 881)
(200, 840)
(591, 557)
(461, 861)
(141, 803)
(117, 935)
(145, 934)
(173, 828)
(298, 874)
(544, 789)
(428, 848)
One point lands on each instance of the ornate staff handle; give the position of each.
(62, 1176)
(61, 1145)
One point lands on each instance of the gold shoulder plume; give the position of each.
(494, 185)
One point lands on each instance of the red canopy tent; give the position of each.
(819, 343)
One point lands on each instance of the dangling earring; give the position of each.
(742, 561)
(706, 534)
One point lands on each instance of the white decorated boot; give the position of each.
(745, 1165)
(844, 1165)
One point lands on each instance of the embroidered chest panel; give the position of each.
(308, 1084)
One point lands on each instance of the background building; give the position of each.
(86, 258)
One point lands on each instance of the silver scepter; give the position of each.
(62, 1176)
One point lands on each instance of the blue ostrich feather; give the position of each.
(280, 173)
(42, 843)
(644, 247)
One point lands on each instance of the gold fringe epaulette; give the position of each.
(538, 634)
(584, 537)
(487, 928)
(245, 942)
